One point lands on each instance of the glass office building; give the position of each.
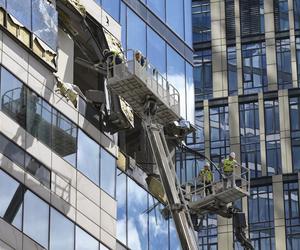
(247, 101)
(62, 185)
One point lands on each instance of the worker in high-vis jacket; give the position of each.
(206, 176)
(228, 166)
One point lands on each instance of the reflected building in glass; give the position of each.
(69, 179)
(246, 75)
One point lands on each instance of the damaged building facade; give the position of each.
(74, 158)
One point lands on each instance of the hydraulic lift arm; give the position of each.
(177, 205)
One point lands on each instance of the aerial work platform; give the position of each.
(224, 192)
(134, 81)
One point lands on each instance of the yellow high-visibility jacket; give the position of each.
(228, 165)
(206, 175)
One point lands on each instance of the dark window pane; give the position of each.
(108, 172)
(21, 11)
(38, 120)
(45, 22)
(298, 56)
(297, 14)
(252, 17)
(36, 218)
(11, 151)
(88, 157)
(64, 135)
(61, 232)
(37, 170)
(230, 19)
(284, 68)
(11, 199)
(13, 97)
(232, 71)
(281, 14)
(84, 241)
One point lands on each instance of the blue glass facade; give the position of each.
(250, 142)
(254, 68)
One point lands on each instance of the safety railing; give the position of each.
(199, 188)
(120, 68)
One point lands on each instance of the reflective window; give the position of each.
(298, 57)
(176, 76)
(158, 226)
(272, 117)
(219, 133)
(158, 7)
(84, 241)
(13, 97)
(156, 46)
(252, 17)
(272, 137)
(203, 75)
(136, 32)
(250, 143)
(61, 232)
(201, 21)
(188, 22)
(123, 20)
(11, 200)
(45, 22)
(38, 118)
(197, 138)
(108, 172)
(88, 157)
(297, 14)
(284, 68)
(112, 7)
(36, 218)
(64, 134)
(175, 16)
(174, 240)
(254, 67)
(122, 207)
(292, 218)
(273, 157)
(137, 218)
(232, 71)
(21, 11)
(281, 14)
(190, 93)
(295, 131)
(261, 217)
(208, 234)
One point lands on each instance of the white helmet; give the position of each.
(232, 155)
(206, 164)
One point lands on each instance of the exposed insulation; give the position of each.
(18, 30)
